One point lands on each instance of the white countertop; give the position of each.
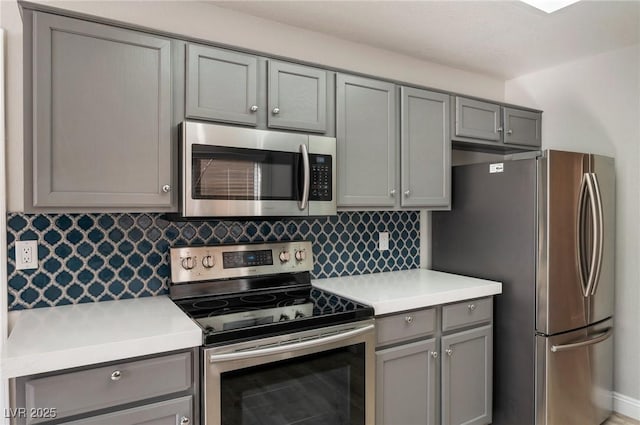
(392, 292)
(54, 338)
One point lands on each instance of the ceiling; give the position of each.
(504, 39)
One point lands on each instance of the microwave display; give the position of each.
(227, 173)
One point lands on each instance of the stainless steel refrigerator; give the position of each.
(545, 228)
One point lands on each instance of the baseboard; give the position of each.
(626, 406)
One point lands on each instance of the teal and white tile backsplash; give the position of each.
(100, 257)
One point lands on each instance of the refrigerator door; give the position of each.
(574, 376)
(575, 213)
(601, 301)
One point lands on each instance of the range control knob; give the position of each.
(188, 263)
(208, 261)
(301, 255)
(284, 317)
(284, 256)
(298, 314)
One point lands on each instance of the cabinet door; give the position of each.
(297, 97)
(171, 412)
(425, 148)
(477, 120)
(406, 384)
(366, 141)
(102, 116)
(467, 367)
(221, 85)
(522, 127)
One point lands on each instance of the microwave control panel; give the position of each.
(321, 181)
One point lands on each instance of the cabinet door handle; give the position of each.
(449, 352)
(253, 108)
(471, 307)
(392, 192)
(185, 421)
(407, 193)
(434, 354)
(166, 188)
(276, 110)
(116, 375)
(408, 319)
(499, 129)
(509, 131)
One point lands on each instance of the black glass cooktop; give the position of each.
(256, 314)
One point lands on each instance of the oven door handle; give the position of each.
(216, 358)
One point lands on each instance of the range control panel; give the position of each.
(321, 182)
(197, 263)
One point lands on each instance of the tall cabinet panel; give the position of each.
(366, 141)
(467, 368)
(221, 85)
(101, 117)
(297, 97)
(425, 148)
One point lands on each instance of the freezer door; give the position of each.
(575, 213)
(574, 376)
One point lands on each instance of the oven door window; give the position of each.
(318, 389)
(244, 174)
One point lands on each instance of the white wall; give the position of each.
(593, 105)
(208, 22)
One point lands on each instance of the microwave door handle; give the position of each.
(306, 178)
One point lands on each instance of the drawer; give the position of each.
(177, 411)
(405, 326)
(106, 386)
(466, 313)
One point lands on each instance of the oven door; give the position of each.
(318, 377)
(233, 172)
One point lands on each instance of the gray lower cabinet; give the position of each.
(366, 142)
(406, 384)
(425, 148)
(467, 368)
(98, 104)
(155, 390)
(491, 124)
(435, 365)
(171, 412)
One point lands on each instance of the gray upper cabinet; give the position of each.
(477, 120)
(487, 123)
(522, 127)
(366, 142)
(467, 368)
(297, 97)
(99, 108)
(406, 386)
(221, 85)
(425, 148)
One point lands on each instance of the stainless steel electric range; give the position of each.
(276, 351)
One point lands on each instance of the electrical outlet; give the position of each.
(383, 241)
(26, 255)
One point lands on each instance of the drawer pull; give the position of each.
(471, 307)
(185, 421)
(434, 354)
(449, 352)
(408, 319)
(116, 375)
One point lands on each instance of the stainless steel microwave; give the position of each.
(240, 172)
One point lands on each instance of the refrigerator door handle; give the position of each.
(585, 342)
(599, 219)
(592, 270)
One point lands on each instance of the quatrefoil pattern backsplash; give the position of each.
(101, 257)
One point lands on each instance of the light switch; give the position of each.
(383, 241)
